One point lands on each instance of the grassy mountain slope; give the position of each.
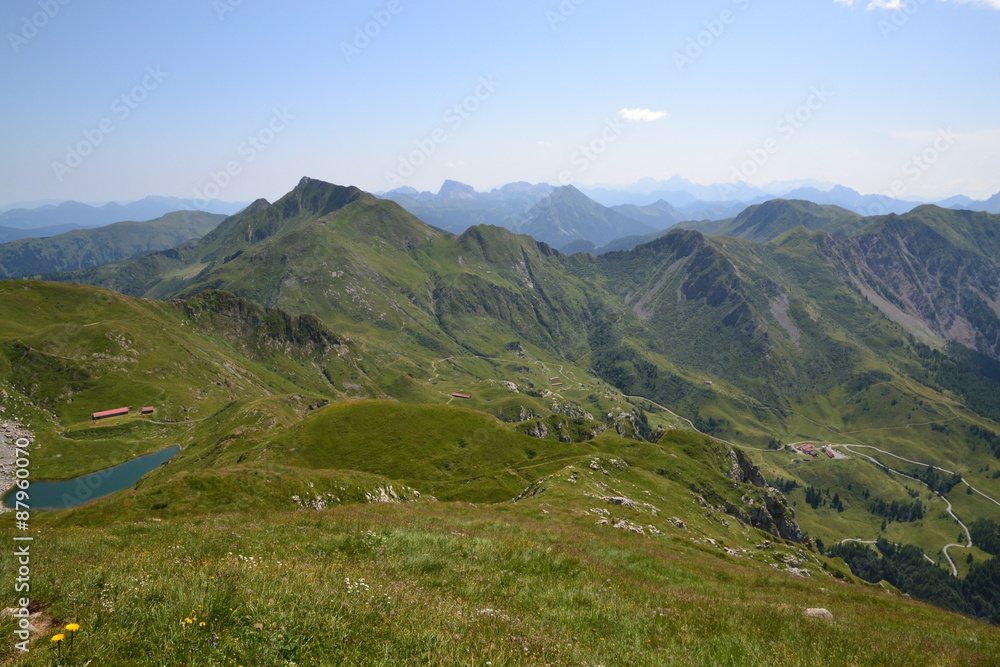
(763, 222)
(70, 350)
(616, 550)
(8, 234)
(86, 248)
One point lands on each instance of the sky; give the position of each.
(238, 99)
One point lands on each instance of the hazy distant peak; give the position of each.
(406, 190)
(455, 190)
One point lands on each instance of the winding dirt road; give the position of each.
(850, 447)
(968, 535)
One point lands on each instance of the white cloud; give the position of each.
(900, 4)
(644, 115)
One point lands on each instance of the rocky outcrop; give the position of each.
(770, 512)
(744, 471)
(773, 516)
(538, 430)
(258, 331)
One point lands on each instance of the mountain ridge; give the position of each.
(87, 248)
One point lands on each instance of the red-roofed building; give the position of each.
(465, 396)
(120, 412)
(146, 411)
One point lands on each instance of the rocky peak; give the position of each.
(456, 190)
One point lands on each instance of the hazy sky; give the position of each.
(238, 99)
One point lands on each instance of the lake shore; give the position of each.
(10, 433)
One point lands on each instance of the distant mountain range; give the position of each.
(456, 206)
(692, 198)
(49, 220)
(556, 215)
(598, 219)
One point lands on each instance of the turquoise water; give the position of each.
(73, 492)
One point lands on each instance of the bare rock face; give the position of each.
(744, 471)
(774, 516)
(782, 518)
(539, 430)
(932, 280)
(818, 612)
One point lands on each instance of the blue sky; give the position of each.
(239, 99)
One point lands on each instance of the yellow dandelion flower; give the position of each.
(201, 624)
(58, 638)
(72, 627)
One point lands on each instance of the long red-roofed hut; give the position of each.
(119, 412)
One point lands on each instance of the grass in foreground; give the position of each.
(455, 584)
